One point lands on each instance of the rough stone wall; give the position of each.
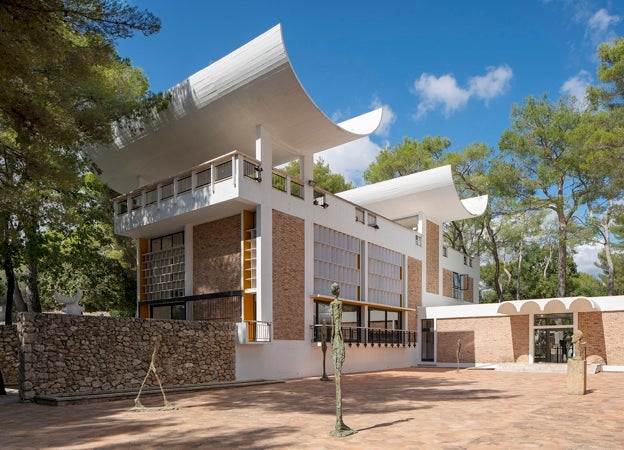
(602, 336)
(9, 362)
(433, 257)
(63, 354)
(483, 339)
(288, 277)
(414, 291)
(217, 263)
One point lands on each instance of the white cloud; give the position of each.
(444, 91)
(352, 159)
(576, 86)
(493, 84)
(599, 26)
(387, 118)
(585, 257)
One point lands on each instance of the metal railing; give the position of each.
(209, 173)
(371, 336)
(258, 331)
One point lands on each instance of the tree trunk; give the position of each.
(32, 287)
(10, 282)
(519, 270)
(563, 256)
(496, 260)
(607, 238)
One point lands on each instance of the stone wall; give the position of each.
(63, 354)
(9, 362)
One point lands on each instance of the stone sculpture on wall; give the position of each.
(71, 303)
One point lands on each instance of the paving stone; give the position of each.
(407, 409)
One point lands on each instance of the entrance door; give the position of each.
(553, 345)
(427, 346)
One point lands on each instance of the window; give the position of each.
(384, 319)
(168, 312)
(372, 220)
(460, 284)
(553, 319)
(359, 215)
(164, 267)
(385, 276)
(336, 259)
(351, 319)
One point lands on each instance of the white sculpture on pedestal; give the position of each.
(71, 303)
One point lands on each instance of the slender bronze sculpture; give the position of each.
(324, 349)
(338, 355)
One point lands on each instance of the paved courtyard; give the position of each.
(404, 409)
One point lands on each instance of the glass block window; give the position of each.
(336, 259)
(385, 276)
(164, 267)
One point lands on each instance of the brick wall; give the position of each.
(469, 293)
(288, 277)
(414, 291)
(217, 256)
(433, 258)
(603, 336)
(9, 362)
(447, 283)
(483, 339)
(62, 354)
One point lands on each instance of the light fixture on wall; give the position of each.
(376, 227)
(311, 183)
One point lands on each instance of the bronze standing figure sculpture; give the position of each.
(338, 356)
(324, 349)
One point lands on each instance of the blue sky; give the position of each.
(451, 68)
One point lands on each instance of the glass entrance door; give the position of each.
(427, 346)
(553, 345)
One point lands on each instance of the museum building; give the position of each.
(224, 235)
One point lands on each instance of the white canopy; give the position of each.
(217, 110)
(431, 192)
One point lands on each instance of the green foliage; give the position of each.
(63, 86)
(541, 144)
(406, 158)
(536, 276)
(323, 176)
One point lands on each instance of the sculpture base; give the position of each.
(342, 432)
(325, 378)
(577, 376)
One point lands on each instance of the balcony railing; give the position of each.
(206, 174)
(281, 181)
(371, 336)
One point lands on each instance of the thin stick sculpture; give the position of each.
(338, 355)
(138, 406)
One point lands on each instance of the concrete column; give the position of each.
(264, 229)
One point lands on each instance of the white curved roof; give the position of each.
(216, 111)
(431, 192)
